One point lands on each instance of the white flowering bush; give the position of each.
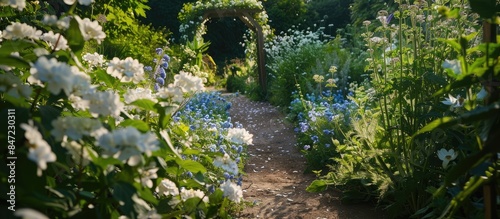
(101, 138)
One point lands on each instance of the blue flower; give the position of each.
(315, 138)
(159, 51)
(303, 127)
(164, 64)
(160, 81)
(307, 147)
(148, 68)
(166, 58)
(157, 86)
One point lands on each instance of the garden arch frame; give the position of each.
(246, 15)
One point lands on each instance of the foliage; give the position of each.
(92, 139)
(192, 20)
(410, 60)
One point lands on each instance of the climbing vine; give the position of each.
(193, 22)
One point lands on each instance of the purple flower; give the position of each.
(159, 51)
(148, 68)
(306, 147)
(157, 87)
(160, 81)
(389, 18)
(166, 58)
(164, 64)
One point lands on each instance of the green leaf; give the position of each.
(191, 165)
(438, 123)
(123, 193)
(145, 104)
(13, 61)
(147, 195)
(74, 37)
(317, 186)
(48, 114)
(103, 76)
(138, 124)
(465, 81)
(10, 46)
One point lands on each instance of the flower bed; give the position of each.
(93, 137)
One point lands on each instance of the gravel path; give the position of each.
(275, 181)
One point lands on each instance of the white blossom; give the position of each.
(127, 144)
(226, 163)
(239, 136)
(18, 30)
(126, 70)
(90, 29)
(76, 127)
(446, 156)
(55, 40)
(19, 4)
(232, 191)
(39, 150)
(167, 187)
(82, 2)
(104, 103)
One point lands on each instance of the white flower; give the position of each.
(55, 40)
(239, 136)
(446, 156)
(91, 29)
(454, 102)
(138, 93)
(147, 175)
(39, 150)
(454, 65)
(227, 164)
(94, 59)
(28, 213)
(80, 154)
(126, 70)
(232, 191)
(49, 19)
(82, 2)
(104, 103)
(175, 94)
(76, 127)
(19, 4)
(127, 144)
(58, 75)
(20, 31)
(191, 193)
(188, 82)
(167, 187)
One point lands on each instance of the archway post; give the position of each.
(245, 15)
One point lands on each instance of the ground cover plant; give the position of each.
(109, 138)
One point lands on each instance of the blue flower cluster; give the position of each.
(160, 73)
(207, 116)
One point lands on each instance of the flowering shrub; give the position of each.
(100, 140)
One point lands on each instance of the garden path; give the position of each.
(275, 179)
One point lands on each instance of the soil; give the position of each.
(275, 181)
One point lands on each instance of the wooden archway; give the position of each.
(246, 15)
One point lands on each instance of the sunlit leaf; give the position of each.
(317, 186)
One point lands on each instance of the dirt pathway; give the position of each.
(275, 180)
